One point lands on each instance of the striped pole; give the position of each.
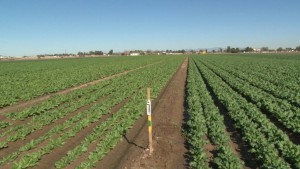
(149, 120)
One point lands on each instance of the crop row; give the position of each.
(282, 71)
(131, 111)
(202, 111)
(286, 113)
(197, 128)
(93, 116)
(69, 128)
(60, 134)
(40, 120)
(28, 79)
(270, 145)
(278, 91)
(59, 106)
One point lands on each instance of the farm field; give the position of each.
(244, 111)
(78, 128)
(42, 77)
(209, 111)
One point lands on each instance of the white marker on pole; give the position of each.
(149, 120)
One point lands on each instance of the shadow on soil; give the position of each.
(133, 143)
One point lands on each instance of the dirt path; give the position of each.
(23, 104)
(168, 142)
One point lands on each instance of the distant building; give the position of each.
(256, 50)
(134, 54)
(203, 51)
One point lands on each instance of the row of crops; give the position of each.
(24, 80)
(77, 130)
(260, 94)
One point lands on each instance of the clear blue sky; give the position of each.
(29, 27)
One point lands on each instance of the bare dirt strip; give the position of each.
(23, 104)
(168, 142)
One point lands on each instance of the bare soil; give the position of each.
(168, 142)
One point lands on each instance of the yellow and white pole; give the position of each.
(149, 120)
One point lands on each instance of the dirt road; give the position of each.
(168, 142)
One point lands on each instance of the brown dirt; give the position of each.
(23, 104)
(168, 142)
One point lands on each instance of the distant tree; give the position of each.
(279, 49)
(80, 53)
(213, 51)
(264, 49)
(249, 49)
(92, 53)
(149, 51)
(182, 51)
(40, 56)
(111, 52)
(228, 50)
(193, 51)
(98, 53)
(221, 50)
(288, 49)
(297, 48)
(235, 50)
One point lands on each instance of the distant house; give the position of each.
(134, 54)
(203, 51)
(256, 50)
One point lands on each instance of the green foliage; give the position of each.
(269, 144)
(205, 119)
(108, 133)
(25, 80)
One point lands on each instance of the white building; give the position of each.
(134, 54)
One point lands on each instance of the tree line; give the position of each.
(96, 52)
(262, 49)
